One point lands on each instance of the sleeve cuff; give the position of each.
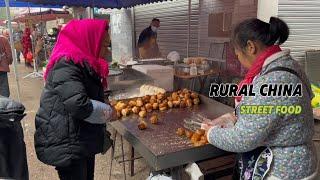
(98, 116)
(209, 132)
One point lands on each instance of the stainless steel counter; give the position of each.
(160, 146)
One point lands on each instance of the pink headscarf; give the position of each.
(80, 41)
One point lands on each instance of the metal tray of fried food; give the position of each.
(159, 144)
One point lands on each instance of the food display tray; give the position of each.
(159, 144)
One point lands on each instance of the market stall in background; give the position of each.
(161, 101)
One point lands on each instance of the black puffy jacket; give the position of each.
(61, 134)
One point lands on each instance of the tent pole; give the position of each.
(13, 49)
(189, 28)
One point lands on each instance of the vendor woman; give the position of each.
(273, 145)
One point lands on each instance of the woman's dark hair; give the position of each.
(274, 32)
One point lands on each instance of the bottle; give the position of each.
(193, 69)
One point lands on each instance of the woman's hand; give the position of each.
(110, 115)
(224, 121)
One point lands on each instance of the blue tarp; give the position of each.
(94, 3)
(14, 3)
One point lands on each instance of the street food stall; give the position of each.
(158, 123)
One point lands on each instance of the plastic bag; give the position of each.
(29, 56)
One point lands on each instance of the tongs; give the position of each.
(194, 122)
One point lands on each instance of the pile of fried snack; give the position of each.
(197, 138)
(152, 103)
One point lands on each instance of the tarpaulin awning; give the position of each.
(14, 3)
(94, 3)
(46, 15)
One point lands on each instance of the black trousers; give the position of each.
(13, 159)
(82, 169)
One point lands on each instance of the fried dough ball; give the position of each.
(198, 144)
(160, 96)
(169, 98)
(204, 139)
(189, 103)
(152, 101)
(120, 105)
(154, 119)
(187, 96)
(201, 132)
(143, 109)
(155, 106)
(180, 132)
(113, 103)
(132, 103)
(153, 97)
(135, 110)
(176, 103)
(185, 90)
(139, 102)
(195, 137)
(125, 112)
(170, 104)
(164, 104)
(194, 95)
(142, 114)
(148, 107)
(163, 108)
(174, 96)
(142, 125)
(146, 99)
(182, 104)
(189, 134)
(196, 101)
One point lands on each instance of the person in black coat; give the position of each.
(71, 120)
(13, 158)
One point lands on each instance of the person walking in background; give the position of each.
(71, 120)
(17, 37)
(5, 61)
(27, 47)
(39, 54)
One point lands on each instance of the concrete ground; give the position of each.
(30, 95)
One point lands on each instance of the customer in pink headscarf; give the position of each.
(71, 120)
